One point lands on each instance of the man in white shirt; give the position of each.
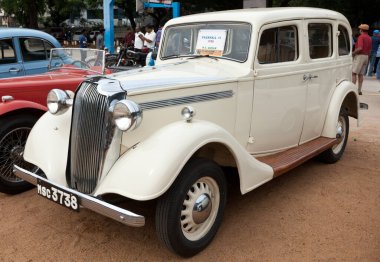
(149, 38)
(139, 43)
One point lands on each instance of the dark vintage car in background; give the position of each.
(23, 101)
(24, 51)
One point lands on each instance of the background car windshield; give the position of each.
(182, 40)
(77, 58)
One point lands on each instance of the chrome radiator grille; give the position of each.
(88, 138)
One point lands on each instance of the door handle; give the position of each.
(308, 77)
(14, 70)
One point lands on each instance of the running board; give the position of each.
(291, 158)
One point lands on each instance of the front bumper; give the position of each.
(124, 216)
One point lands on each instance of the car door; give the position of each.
(279, 89)
(35, 53)
(321, 68)
(10, 60)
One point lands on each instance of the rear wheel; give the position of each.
(14, 131)
(189, 214)
(333, 154)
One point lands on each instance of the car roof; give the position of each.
(25, 32)
(260, 16)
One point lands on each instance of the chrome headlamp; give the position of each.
(127, 115)
(58, 101)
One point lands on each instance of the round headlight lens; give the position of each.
(127, 115)
(57, 101)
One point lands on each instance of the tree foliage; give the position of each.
(357, 12)
(25, 11)
(61, 10)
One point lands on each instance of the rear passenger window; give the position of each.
(320, 40)
(344, 41)
(33, 49)
(7, 51)
(278, 45)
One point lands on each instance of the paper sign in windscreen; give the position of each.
(211, 42)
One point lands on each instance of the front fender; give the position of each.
(345, 94)
(47, 145)
(6, 107)
(148, 169)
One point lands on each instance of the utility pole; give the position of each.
(109, 34)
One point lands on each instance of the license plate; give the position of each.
(58, 195)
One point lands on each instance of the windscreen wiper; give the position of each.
(199, 56)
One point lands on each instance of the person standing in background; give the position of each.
(129, 38)
(83, 39)
(83, 44)
(375, 45)
(139, 43)
(361, 53)
(149, 41)
(158, 34)
(375, 68)
(149, 38)
(99, 42)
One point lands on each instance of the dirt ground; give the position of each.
(315, 212)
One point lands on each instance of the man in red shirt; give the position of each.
(361, 54)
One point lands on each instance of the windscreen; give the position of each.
(77, 58)
(223, 40)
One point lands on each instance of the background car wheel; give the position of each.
(14, 131)
(333, 154)
(189, 214)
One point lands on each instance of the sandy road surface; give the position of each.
(315, 212)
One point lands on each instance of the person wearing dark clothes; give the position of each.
(375, 45)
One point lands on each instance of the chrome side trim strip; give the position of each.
(124, 216)
(186, 100)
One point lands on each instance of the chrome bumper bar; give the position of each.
(124, 216)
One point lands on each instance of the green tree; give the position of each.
(61, 10)
(357, 12)
(25, 11)
(129, 7)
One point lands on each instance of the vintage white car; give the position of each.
(261, 90)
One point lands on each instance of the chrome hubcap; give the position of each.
(16, 153)
(340, 135)
(200, 208)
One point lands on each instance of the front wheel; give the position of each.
(189, 214)
(333, 154)
(14, 131)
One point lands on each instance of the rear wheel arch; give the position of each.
(350, 105)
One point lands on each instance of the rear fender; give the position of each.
(345, 96)
(148, 169)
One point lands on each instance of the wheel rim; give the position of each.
(200, 208)
(11, 152)
(341, 134)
